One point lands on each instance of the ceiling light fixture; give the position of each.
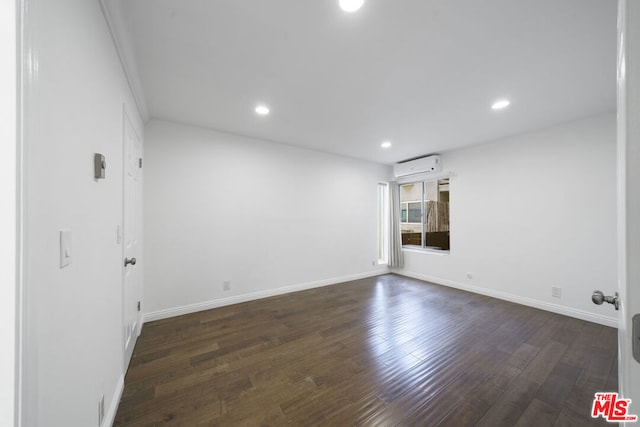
(500, 104)
(386, 144)
(351, 5)
(262, 110)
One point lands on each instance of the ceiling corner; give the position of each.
(113, 15)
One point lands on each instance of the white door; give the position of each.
(131, 238)
(629, 197)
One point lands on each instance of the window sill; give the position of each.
(418, 249)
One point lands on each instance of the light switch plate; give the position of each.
(99, 165)
(65, 247)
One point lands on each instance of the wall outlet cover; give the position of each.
(65, 247)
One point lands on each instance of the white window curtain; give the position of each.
(396, 258)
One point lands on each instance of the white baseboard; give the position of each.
(542, 305)
(110, 416)
(207, 305)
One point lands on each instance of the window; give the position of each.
(424, 214)
(411, 212)
(383, 223)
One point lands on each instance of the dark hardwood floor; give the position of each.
(383, 351)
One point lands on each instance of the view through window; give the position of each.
(424, 214)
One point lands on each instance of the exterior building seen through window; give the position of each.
(424, 214)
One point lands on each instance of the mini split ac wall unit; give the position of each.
(429, 164)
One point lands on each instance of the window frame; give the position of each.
(383, 223)
(423, 209)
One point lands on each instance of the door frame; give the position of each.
(126, 117)
(628, 170)
(10, 48)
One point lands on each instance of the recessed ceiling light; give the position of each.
(351, 5)
(386, 144)
(262, 110)
(500, 104)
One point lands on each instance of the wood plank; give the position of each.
(538, 414)
(558, 386)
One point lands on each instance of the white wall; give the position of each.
(531, 212)
(74, 315)
(268, 217)
(8, 84)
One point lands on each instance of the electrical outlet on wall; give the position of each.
(556, 292)
(226, 285)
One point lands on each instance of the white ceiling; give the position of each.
(421, 73)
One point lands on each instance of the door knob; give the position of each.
(132, 261)
(598, 298)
